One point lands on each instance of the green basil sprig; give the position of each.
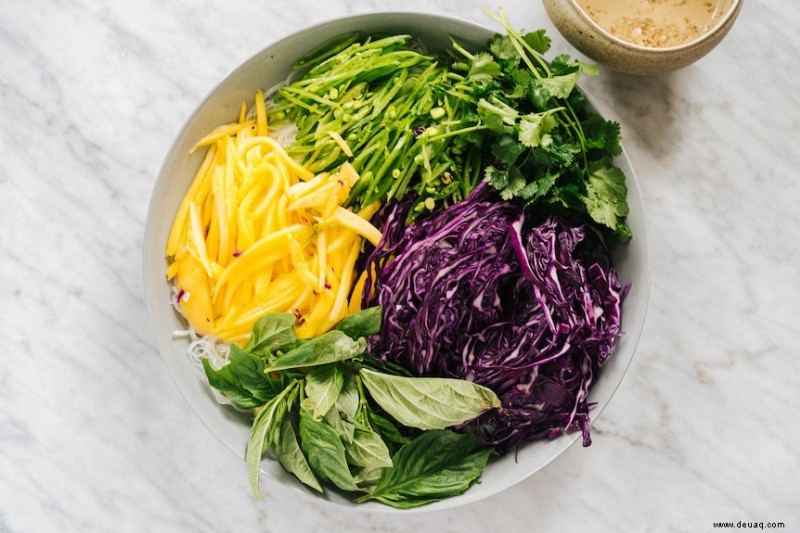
(330, 414)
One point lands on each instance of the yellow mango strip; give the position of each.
(301, 266)
(273, 191)
(198, 241)
(316, 198)
(348, 174)
(263, 280)
(172, 269)
(200, 182)
(281, 157)
(304, 187)
(244, 218)
(261, 114)
(339, 310)
(358, 291)
(322, 259)
(357, 224)
(316, 322)
(195, 303)
(282, 295)
(259, 233)
(211, 223)
(266, 251)
(220, 215)
(368, 210)
(221, 132)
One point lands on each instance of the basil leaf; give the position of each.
(436, 465)
(362, 324)
(367, 449)
(226, 382)
(289, 454)
(349, 399)
(323, 385)
(325, 451)
(388, 431)
(341, 417)
(249, 369)
(261, 433)
(343, 427)
(271, 332)
(428, 403)
(327, 348)
(367, 478)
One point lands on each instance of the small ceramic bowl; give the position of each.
(626, 41)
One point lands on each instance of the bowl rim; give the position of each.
(696, 42)
(163, 344)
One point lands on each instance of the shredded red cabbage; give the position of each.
(483, 292)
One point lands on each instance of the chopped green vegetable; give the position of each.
(398, 112)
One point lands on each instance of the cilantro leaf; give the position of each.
(496, 113)
(606, 193)
(538, 40)
(560, 86)
(533, 127)
(516, 183)
(507, 149)
(483, 69)
(602, 135)
(502, 47)
(496, 177)
(563, 64)
(538, 187)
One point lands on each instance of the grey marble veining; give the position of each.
(94, 435)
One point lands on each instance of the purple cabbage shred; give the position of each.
(483, 291)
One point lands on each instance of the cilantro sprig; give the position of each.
(540, 143)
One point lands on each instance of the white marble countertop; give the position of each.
(94, 435)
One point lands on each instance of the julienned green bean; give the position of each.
(400, 112)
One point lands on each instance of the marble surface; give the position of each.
(94, 435)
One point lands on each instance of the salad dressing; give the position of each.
(656, 23)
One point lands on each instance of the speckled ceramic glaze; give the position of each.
(600, 45)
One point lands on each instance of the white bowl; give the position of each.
(264, 70)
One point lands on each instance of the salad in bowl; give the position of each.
(404, 266)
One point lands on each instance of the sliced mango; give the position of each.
(257, 232)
